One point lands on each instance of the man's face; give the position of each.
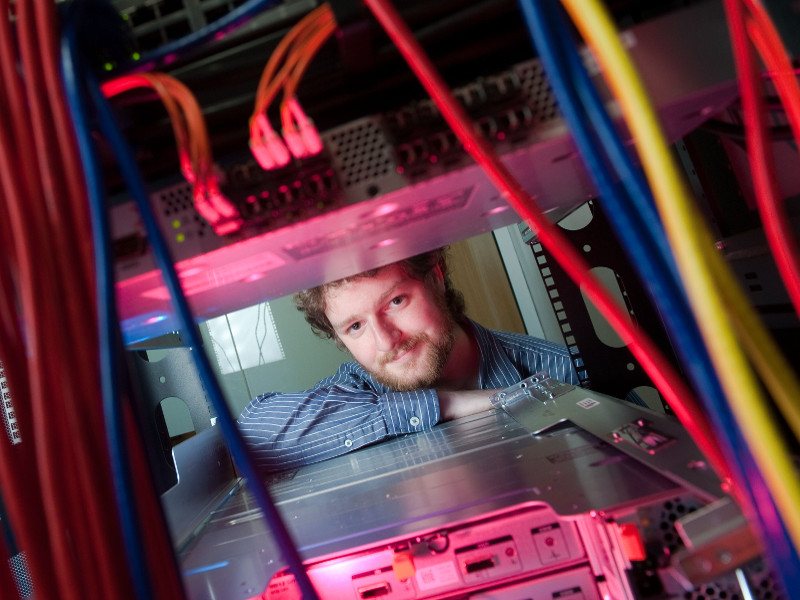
(397, 327)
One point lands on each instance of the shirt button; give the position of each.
(414, 421)
(348, 443)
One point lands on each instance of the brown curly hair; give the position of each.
(421, 267)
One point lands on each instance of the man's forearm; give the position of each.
(460, 403)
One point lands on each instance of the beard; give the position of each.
(426, 369)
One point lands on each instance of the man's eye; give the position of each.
(397, 300)
(354, 327)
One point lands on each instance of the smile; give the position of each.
(404, 351)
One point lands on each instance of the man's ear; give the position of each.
(438, 277)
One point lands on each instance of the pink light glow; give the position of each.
(384, 209)
(385, 243)
(495, 211)
(254, 277)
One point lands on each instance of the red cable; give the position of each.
(103, 533)
(781, 71)
(66, 394)
(20, 184)
(777, 227)
(49, 382)
(65, 138)
(676, 393)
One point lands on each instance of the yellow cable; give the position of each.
(688, 238)
(770, 363)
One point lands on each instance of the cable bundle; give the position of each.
(57, 482)
(630, 208)
(194, 148)
(284, 70)
(694, 254)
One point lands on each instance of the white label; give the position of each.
(588, 403)
(438, 575)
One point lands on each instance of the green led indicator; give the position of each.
(176, 223)
(180, 238)
(136, 56)
(108, 66)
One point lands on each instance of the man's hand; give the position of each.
(460, 403)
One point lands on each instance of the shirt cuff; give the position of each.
(407, 412)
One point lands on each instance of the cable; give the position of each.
(295, 51)
(194, 146)
(627, 214)
(561, 73)
(780, 70)
(238, 449)
(773, 214)
(691, 242)
(643, 349)
(108, 320)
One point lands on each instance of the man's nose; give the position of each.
(386, 334)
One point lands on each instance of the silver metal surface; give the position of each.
(412, 485)
(205, 477)
(652, 438)
(717, 539)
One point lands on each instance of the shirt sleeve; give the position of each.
(342, 413)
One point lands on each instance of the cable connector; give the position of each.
(294, 142)
(186, 166)
(203, 205)
(302, 138)
(266, 145)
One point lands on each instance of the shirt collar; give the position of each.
(495, 369)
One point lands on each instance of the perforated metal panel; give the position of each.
(659, 522)
(362, 151)
(541, 100)
(22, 577)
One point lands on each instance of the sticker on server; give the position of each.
(438, 575)
(588, 403)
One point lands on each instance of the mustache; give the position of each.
(405, 346)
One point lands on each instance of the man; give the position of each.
(420, 361)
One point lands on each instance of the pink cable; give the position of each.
(664, 377)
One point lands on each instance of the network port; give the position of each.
(481, 564)
(375, 590)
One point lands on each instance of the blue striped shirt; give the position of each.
(350, 409)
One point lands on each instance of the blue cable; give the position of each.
(230, 431)
(124, 488)
(546, 29)
(690, 343)
(216, 30)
